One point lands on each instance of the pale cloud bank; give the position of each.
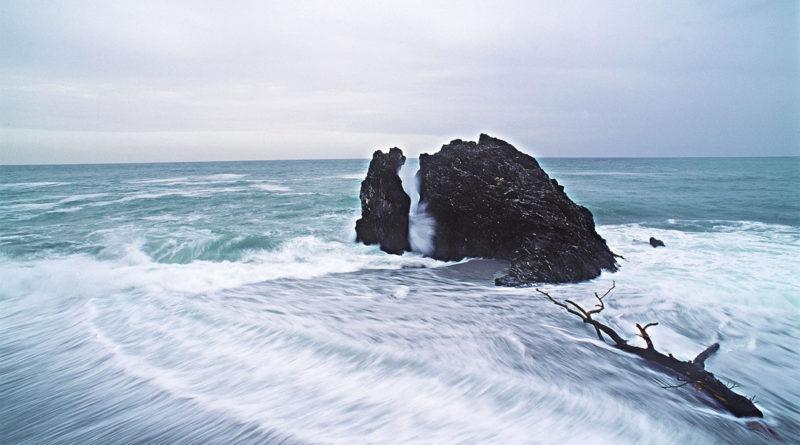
(169, 81)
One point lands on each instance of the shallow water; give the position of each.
(227, 303)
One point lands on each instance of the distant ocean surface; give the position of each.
(227, 302)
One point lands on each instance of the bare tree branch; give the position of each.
(700, 360)
(613, 286)
(689, 372)
(600, 305)
(559, 303)
(644, 335)
(583, 312)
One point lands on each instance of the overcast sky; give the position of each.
(147, 81)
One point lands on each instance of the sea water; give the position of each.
(228, 303)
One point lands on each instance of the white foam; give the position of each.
(82, 197)
(33, 206)
(292, 374)
(32, 184)
(421, 224)
(354, 176)
(66, 210)
(271, 187)
(401, 292)
(604, 173)
(303, 257)
(23, 206)
(750, 266)
(163, 218)
(311, 369)
(221, 178)
(421, 230)
(160, 180)
(192, 193)
(295, 373)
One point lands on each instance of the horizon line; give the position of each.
(368, 158)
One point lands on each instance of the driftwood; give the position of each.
(691, 372)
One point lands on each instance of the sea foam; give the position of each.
(129, 266)
(421, 224)
(268, 187)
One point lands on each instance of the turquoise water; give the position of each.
(227, 302)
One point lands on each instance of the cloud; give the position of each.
(206, 80)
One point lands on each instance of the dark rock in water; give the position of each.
(655, 242)
(490, 200)
(384, 204)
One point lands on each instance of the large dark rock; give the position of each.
(490, 200)
(384, 204)
(655, 242)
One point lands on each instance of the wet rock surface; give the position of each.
(490, 200)
(655, 242)
(384, 204)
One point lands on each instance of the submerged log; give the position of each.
(690, 372)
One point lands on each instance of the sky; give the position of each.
(85, 82)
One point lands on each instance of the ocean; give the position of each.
(227, 302)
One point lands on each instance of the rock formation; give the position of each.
(491, 200)
(488, 200)
(384, 204)
(655, 242)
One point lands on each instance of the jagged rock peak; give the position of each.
(384, 204)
